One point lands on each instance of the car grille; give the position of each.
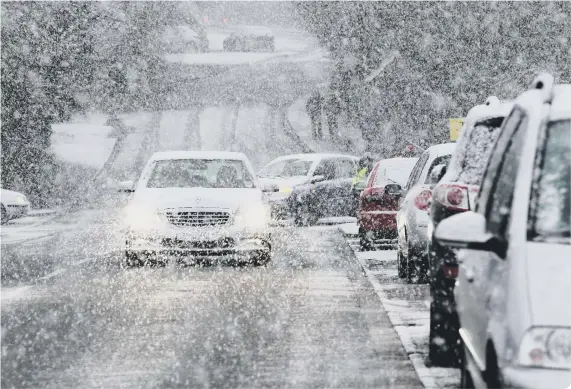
(197, 218)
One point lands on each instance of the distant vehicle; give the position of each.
(379, 201)
(513, 293)
(13, 205)
(412, 217)
(251, 42)
(198, 206)
(326, 192)
(455, 193)
(183, 39)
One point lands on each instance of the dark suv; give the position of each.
(456, 192)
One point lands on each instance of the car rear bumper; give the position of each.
(382, 221)
(536, 378)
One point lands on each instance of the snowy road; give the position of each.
(310, 319)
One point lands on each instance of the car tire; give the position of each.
(401, 265)
(4, 215)
(443, 348)
(263, 259)
(365, 243)
(466, 381)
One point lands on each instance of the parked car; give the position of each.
(250, 42)
(200, 207)
(455, 193)
(13, 205)
(279, 177)
(412, 216)
(513, 292)
(379, 201)
(328, 193)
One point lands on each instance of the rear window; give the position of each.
(550, 211)
(478, 149)
(394, 171)
(442, 160)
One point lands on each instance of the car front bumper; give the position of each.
(17, 210)
(535, 378)
(200, 242)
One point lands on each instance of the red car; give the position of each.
(379, 202)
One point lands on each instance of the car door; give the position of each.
(322, 190)
(482, 272)
(340, 190)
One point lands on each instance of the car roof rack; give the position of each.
(544, 82)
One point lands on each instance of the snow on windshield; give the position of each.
(394, 171)
(200, 173)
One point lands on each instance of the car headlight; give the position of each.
(286, 189)
(252, 216)
(141, 217)
(548, 347)
(21, 199)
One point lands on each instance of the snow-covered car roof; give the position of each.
(312, 157)
(442, 149)
(166, 155)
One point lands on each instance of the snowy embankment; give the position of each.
(408, 308)
(85, 140)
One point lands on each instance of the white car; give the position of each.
(200, 207)
(13, 205)
(280, 176)
(513, 292)
(412, 217)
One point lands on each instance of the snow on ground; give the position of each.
(213, 122)
(223, 58)
(172, 133)
(35, 226)
(408, 308)
(84, 140)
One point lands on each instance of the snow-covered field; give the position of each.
(408, 309)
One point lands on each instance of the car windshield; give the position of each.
(477, 150)
(287, 168)
(551, 195)
(200, 173)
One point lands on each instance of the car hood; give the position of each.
(227, 198)
(548, 275)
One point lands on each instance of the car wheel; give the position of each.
(410, 269)
(466, 381)
(365, 243)
(263, 259)
(401, 265)
(4, 216)
(443, 349)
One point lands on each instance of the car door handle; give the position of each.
(469, 275)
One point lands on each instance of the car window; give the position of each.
(394, 171)
(345, 168)
(415, 175)
(501, 195)
(287, 168)
(550, 205)
(326, 168)
(478, 149)
(200, 173)
(442, 160)
(509, 126)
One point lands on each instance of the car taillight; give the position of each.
(452, 196)
(450, 271)
(422, 200)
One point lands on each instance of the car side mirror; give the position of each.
(436, 174)
(467, 230)
(126, 186)
(317, 178)
(393, 189)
